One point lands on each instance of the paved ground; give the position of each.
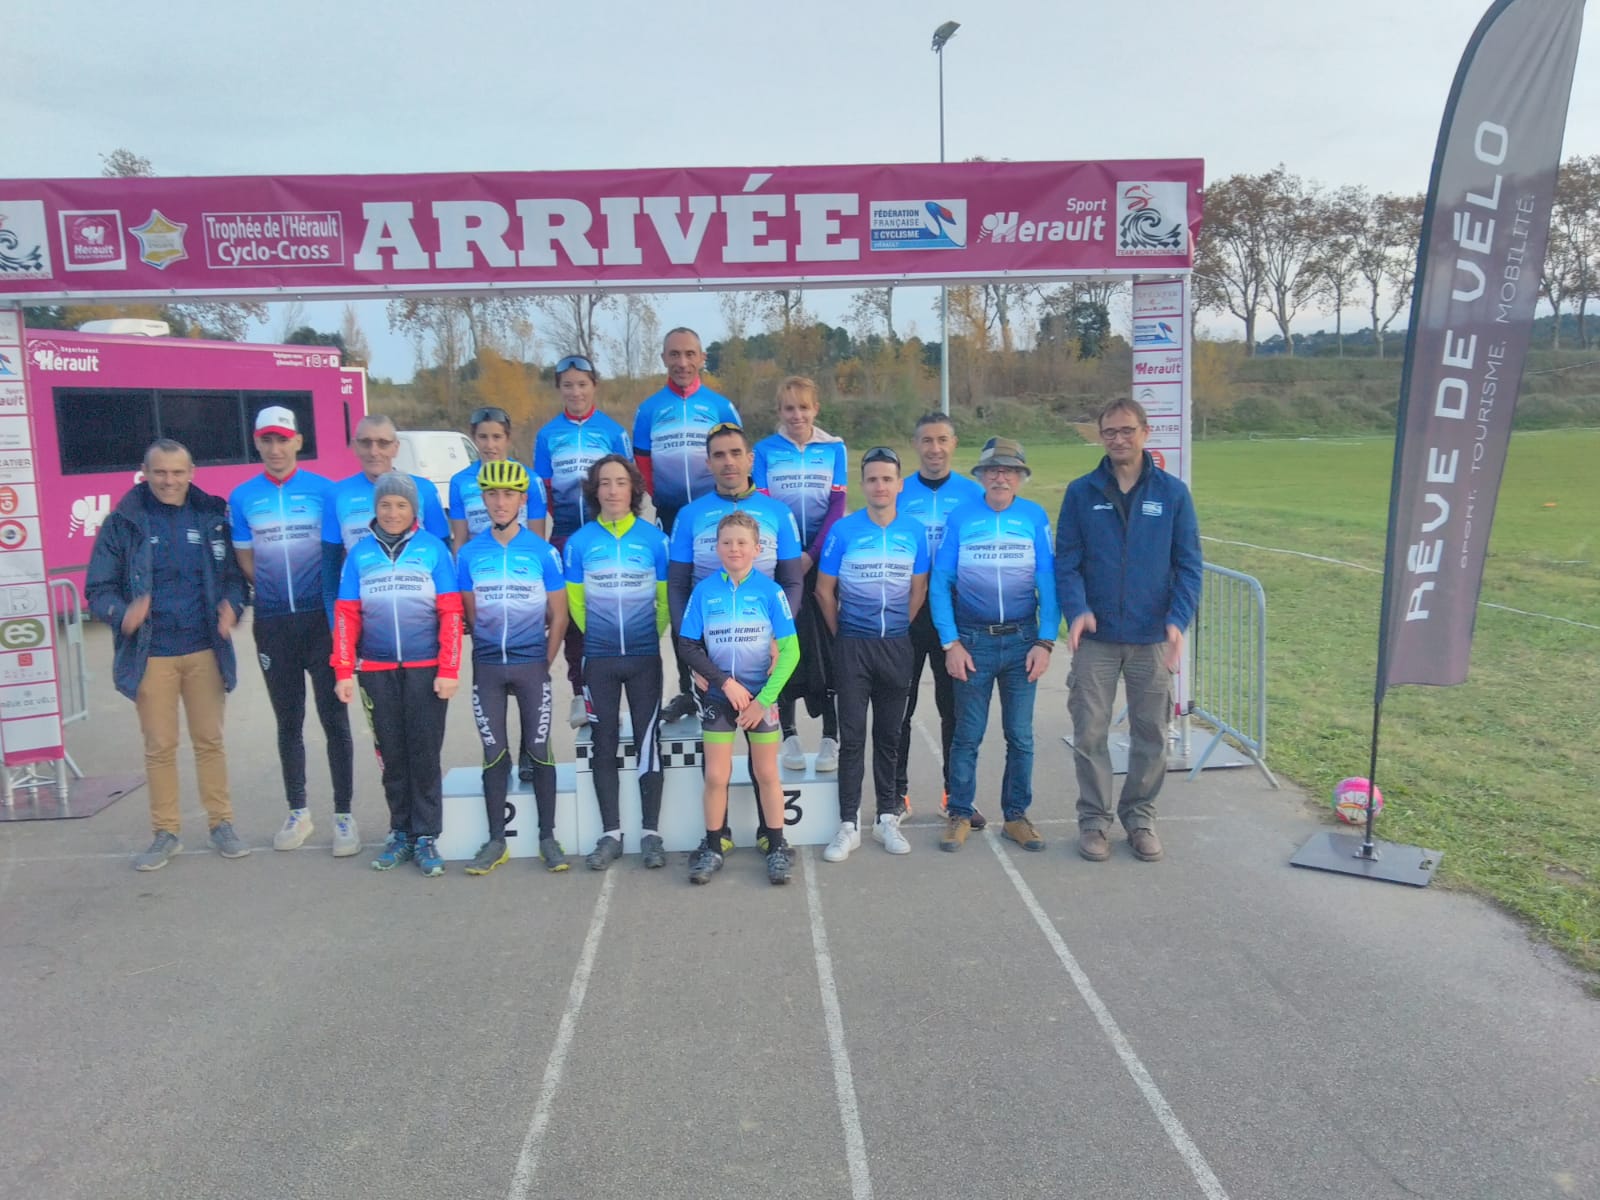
(989, 1023)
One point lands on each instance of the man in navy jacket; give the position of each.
(164, 577)
(1128, 570)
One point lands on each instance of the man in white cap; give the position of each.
(277, 535)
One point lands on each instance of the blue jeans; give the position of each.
(997, 659)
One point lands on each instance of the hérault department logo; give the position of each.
(1152, 218)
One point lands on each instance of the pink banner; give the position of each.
(661, 230)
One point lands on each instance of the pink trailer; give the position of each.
(99, 400)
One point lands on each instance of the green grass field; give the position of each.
(1502, 773)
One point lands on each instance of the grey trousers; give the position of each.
(1091, 693)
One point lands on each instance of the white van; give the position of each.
(436, 455)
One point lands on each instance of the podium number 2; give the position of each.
(792, 812)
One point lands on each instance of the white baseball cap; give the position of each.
(276, 420)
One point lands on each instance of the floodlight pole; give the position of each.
(942, 35)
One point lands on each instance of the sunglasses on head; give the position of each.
(480, 415)
(574, 360)
(880, 454)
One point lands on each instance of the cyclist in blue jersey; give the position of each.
(730, 627)
(516, 604)
(694, 554)
(491, 434)
(563, 451)
(669, 441)
(871, 582)
(994, 605)
(808, 471)
(277, 535)
(348, 513)
(616, 568)
(398, 622)
(930, 496)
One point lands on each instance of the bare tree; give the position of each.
(870, 308)
(357, 351)
(290, 317)
(1570, 268)
(574, 318)
(1333, 264)
(1288, 241)
(1386, 257)
(638, 344)
(1230, 267)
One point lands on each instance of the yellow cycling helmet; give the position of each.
(506, 475)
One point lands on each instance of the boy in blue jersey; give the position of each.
(490, 428)
(669, 439)
(871, 583)
(563, 451)
(348, 513)
(694, 554)
(277, 535)
(1128, 565)
(398, 622)
(994, 605)
(733, 620)
(807, 471)
(513, 589)
(616, 568)
(929, 497)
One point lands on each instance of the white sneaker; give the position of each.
(346, 839)
(295, 830)
(793, 755)
(827, 755)
(577, 713)
(886, 830)
(847, 839)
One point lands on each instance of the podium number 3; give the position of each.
(792, 812)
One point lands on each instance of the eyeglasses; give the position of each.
(480, 415)
(880, 454)
(574, 360)
(1124, 433)
(368, 443)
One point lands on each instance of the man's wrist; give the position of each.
(1048, 647)
(948, 646)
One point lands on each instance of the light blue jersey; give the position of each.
(466, 502)
(803, 478)
(672, 430)
(738, 622)
(1002, 567)
(694, 536)
(563, 452)
(509, 586)
(347, 514)
(399, 598)
(280, 523)
(874, 565)
(932, 506)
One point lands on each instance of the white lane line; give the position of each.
(932, 742)
(844, 1082)
(1176, 1134)
(528, 1159)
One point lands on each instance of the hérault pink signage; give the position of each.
(657, 230)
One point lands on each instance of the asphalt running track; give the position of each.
(989, 1023)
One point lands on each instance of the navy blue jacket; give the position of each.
(120, 571)
(1138, 575)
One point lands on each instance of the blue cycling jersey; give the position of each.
(1001, 565)
(694, 536)
(738, 623)
(672, 430)
(466, 502)
(932, 506)
(347, 514)
(399, 597)
(563, 452)
(619, 576)
(509, 586)
(280, 523)
(874, 565)
(803, 478)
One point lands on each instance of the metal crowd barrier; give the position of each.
(1228, 690)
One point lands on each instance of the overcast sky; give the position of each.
(1347, 92)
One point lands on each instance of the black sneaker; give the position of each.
(682, 705)
(979, 821)
(780, 862)
(704, 863)
(652, 850)
(606, 851)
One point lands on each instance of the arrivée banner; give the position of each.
(1477, 286)
(656, 230)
